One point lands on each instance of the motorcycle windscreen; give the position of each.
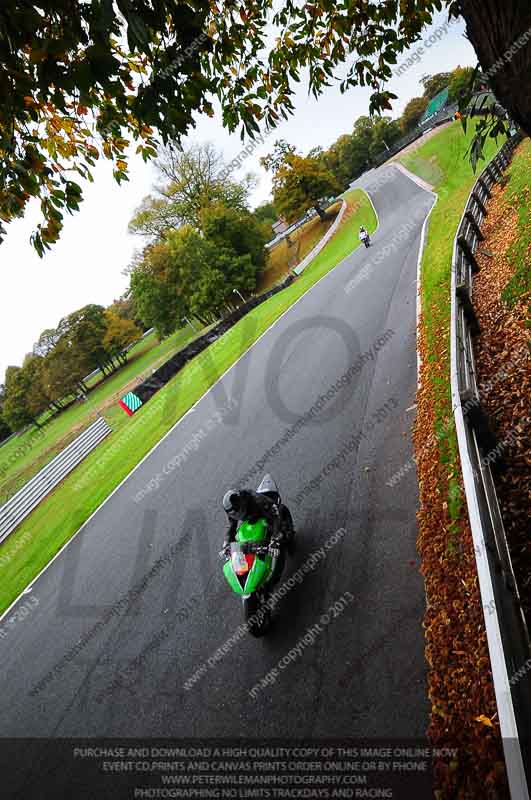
(267, 485)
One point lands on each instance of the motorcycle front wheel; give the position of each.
(257, 616)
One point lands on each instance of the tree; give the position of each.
(461, 80)
(385, 132)
(433, 84)
(193, 178)
(68, 353)
(281, 150)
(63, 373)
(155, 290)
(83, 332)
(267, 215)
(346, 158)
(300, 184)
(119, 335)
(37, 398)
(5, 430)
(236, 230)
(87, 78)
(188, 273)
(46, 342)
(413, 112)
(15, 408)
(124, 307)
(210, 269)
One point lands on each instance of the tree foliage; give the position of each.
(413, 112)
(433, 84)
(5, 430)
(461, 80)
(352, 153)
(300, 183)
(124, 307)
(83, 79)
(154, 289)
(192, 272)
(236, 229)
(63, 374)
(15, 406)
(191, 179)
(267, 214)
(119, 334)
(62, 357)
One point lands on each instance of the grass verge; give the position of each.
(23, 456)
(54, 521)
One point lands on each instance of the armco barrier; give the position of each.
(141, 393)
(23, 502)
(507, 634)
(310, 214)
(322, 241)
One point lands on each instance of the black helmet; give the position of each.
(231, 501)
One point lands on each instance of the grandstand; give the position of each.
(435, 105)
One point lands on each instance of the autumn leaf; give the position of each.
(484, 720)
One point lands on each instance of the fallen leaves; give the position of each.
(502, 363)
(460, 689)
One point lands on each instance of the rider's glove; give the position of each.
(224, 553)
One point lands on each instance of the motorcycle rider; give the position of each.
(251, 506)
(364, 236)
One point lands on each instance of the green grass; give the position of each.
(518, 196)
(25, 455)
(37, 540)
(442, 162)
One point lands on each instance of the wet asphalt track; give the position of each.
(364, 675)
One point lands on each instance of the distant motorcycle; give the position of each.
(257, 559)
(366, 239)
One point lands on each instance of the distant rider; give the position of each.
(364, 236)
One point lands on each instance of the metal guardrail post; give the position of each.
(467, 252)
(477, 199)
(484, 186)
(463, 294)
(473, 224)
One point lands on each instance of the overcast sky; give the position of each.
(86, 265)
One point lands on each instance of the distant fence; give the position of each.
(97, 371)
(295, 225)
(35, 490)
(142, 392)
(322, 241)
(507, 634)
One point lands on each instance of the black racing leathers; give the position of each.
(253, 507)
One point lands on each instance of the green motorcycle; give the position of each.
(257, 559)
